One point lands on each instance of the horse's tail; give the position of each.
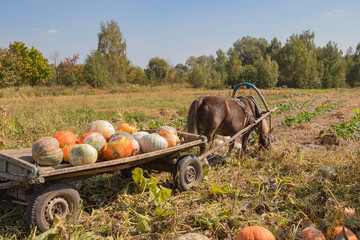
(191, 118)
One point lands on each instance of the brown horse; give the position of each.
(212, 115)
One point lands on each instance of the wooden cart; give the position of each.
(46, 190)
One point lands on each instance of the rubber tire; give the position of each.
(183, 166)
(35, 211)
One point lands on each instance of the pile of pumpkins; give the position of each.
(101, 141)
(261, 233)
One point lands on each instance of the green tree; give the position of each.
(249, 49)
(353, 75)
(10, 68)
(298, 65)
(267, 72)
(204, 66)
(181, 72)
(334, 66)
(234, 69)
(112, 47)
(137, 75)
(157, 70)
(220, 65)
(249, 74)
(96, 70)
(274, 49)
(110, 57)
(35, 68)
(199, 76)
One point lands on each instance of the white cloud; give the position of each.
(336, 11)
(51, 31)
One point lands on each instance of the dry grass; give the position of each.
(280, 189)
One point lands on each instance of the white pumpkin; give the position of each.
(152, 142)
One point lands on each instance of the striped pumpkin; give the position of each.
(163, 130)
(127, 128)
(118, 147)
(47, 152)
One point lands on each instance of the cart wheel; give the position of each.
(53, 198)
(188, 172)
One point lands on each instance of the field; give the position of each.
(284, 189)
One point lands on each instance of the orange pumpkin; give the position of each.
(103, 127)
(82, 137)
(127, 128)
(163, 130)
(118, 147)
(254, 233)
(47, 152)
(311, 233)
(66, 150)
(172, 140)
(338, 230)
(66, 137)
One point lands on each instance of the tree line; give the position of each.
(299, 63)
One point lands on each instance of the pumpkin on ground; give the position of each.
(103, 127)
(311, 233)
(118, 147)
(136, 146)
(65, 137)
(82, 154)
(127, 128)
(66, 150)
(172, 140)
(338, 230)
(139, 135)
(96, 140)
(254, 233)
(152, 142)
(47, 152)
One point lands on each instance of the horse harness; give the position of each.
(243, 107)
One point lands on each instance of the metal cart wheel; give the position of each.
(188, 172)
(53, 198)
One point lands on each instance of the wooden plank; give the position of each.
(10, 184)
(22, 160)
(241, 132)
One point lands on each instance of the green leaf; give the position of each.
(216, 189)
(143, 220)
(139, 179)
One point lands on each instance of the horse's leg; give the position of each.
(244, 141)
(209, 134)
(231, 146)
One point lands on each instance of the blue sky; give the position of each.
(173, 30)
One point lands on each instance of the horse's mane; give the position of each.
(257, 108)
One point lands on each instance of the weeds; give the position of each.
(306, 116)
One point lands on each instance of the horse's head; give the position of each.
(265, 137)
